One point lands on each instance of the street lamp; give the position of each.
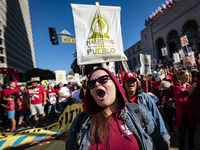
(82, 68)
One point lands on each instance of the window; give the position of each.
(145, 36)
(133, 49)
(128, 53)
(138, 47)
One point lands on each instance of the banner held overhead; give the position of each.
(98, 34)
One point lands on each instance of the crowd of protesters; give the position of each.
(173, 92)
(22, 105)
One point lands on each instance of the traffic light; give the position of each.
(53, 36)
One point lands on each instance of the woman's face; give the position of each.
(103, 94)
(49, 86)
(186, 77)
(131, 85)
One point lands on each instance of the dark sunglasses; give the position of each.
(101, 80)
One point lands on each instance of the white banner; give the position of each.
(98, 34)
(60, 76)
(145, 61)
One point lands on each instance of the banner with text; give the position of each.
(98, 34)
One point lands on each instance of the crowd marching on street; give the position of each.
(173, 92)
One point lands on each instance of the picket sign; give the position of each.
(184, 42)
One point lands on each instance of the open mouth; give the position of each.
(101, 93)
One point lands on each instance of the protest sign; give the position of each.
(181, 53)
(184, 40)
(160, 75)
(52, 98)
(176, 57)
(164, 51)
(145, 61)
(60, 76)
(98, 34)
(189, 61)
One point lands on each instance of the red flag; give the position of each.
(121, 73)
(15, 79)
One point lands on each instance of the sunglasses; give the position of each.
(101, 80)
(187, 75)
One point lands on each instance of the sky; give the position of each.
(58, 14)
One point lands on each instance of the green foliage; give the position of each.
(42, 73)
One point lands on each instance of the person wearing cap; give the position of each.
(186, 114)
(135, 95)
(169, 107)
(37, 96)
(107, 122)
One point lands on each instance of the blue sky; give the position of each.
(58, 13)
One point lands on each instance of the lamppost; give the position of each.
(82, 68)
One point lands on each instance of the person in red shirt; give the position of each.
(143, 83)
(51, 99)
(56, 91)
(10, 109)
(186, 114)
(24, 111)
(13, 89)
(37, 97)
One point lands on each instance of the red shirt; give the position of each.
(23, 102)
(184, 103)
(10, 91)
(143, 83)
(13, 106)
(57, 90)
(36, 94)
(134, 99)
(119, 137)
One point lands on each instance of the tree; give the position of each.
(42, 73)
(76, 69)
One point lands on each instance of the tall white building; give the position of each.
(16, 39)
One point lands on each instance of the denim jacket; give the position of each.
(145, 101)
(146, 137)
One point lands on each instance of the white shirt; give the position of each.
(64, 91)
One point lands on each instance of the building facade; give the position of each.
(16, 40)
(182, 18)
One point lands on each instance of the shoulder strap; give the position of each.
(137, 112)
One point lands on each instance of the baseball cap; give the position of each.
(129, 75)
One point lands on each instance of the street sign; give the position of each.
(68, 40)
